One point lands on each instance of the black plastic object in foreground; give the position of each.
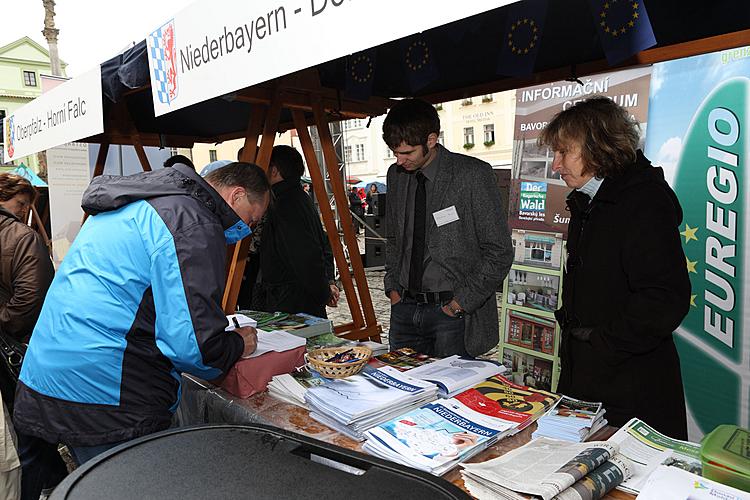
(244, 461)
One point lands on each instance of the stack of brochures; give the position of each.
(291, 387)
(455, 374)
(547, 468)
(437, 436)
(357, 403)
(571, 420)
(402, 359)
(300, 324)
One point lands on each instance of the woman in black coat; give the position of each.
(626, 285)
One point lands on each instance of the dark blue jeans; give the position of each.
(83, 454)
(426, 329)
(42, 467)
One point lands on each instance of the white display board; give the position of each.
(69, 112)
(219, 46)
(68, 177)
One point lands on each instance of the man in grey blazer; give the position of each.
(448, 244)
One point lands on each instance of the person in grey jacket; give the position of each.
(448, 245)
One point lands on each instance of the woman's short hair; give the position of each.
(608, 136)
(12, 185)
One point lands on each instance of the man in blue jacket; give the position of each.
(136, 302)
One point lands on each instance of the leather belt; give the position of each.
(428, 297)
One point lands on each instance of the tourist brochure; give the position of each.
(647, 448)
(368, 399)
(571, 420)
(455, 373)
(300, 324)
(402, 359)
(516, 403)
(291, 387)
(548, 468)
(435, 437)
(671, 483)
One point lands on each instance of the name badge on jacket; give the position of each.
(445, 216)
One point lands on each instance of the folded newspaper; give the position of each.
(455, 374)
(549, 469)
(647, 449)
(436, 436)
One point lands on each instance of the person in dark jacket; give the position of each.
(626, 285)
(296, 264)
(136, 302)
(356, 208)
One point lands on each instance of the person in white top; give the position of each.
(10, 466)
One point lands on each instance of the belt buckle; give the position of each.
(420, 297)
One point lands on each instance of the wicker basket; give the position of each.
(316, 360)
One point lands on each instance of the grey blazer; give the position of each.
(475, 251)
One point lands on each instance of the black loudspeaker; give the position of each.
(374, 253)
(378, 204)
(375, 227)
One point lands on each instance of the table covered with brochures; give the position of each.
(204, 403)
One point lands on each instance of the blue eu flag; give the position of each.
(360, 74)
(418, 58)
(522, 37)
(624, 27)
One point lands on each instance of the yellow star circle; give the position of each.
(616, 31)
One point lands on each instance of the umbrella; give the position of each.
(353, 180)
(381, 186)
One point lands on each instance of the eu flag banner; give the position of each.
(419, 61)
(624, 27)
(360, 74)
(522, 37)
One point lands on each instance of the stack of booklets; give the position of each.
(437, 436)
(571, 420)
(547, 468)
(455, 374)
(291, 387)
(357, 403)
(402, 359)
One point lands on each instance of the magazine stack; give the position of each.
(357, 403)
(437, 436)
(455, 374)
(571, 420)
(547, 468)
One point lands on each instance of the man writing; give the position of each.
(448, 244)
(136, 302)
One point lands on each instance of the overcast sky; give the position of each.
(91, 31)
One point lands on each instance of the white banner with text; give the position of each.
(67, 113)
(215, 47)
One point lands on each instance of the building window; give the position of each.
(29, 78)
(489, 134)
(347, 154)
(212, 155)
(487, 98)
(360, 148)
(466, 102)
(441, 138)
(468, 135)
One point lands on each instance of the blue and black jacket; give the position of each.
(136, 302)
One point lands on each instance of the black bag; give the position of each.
(11, 358)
